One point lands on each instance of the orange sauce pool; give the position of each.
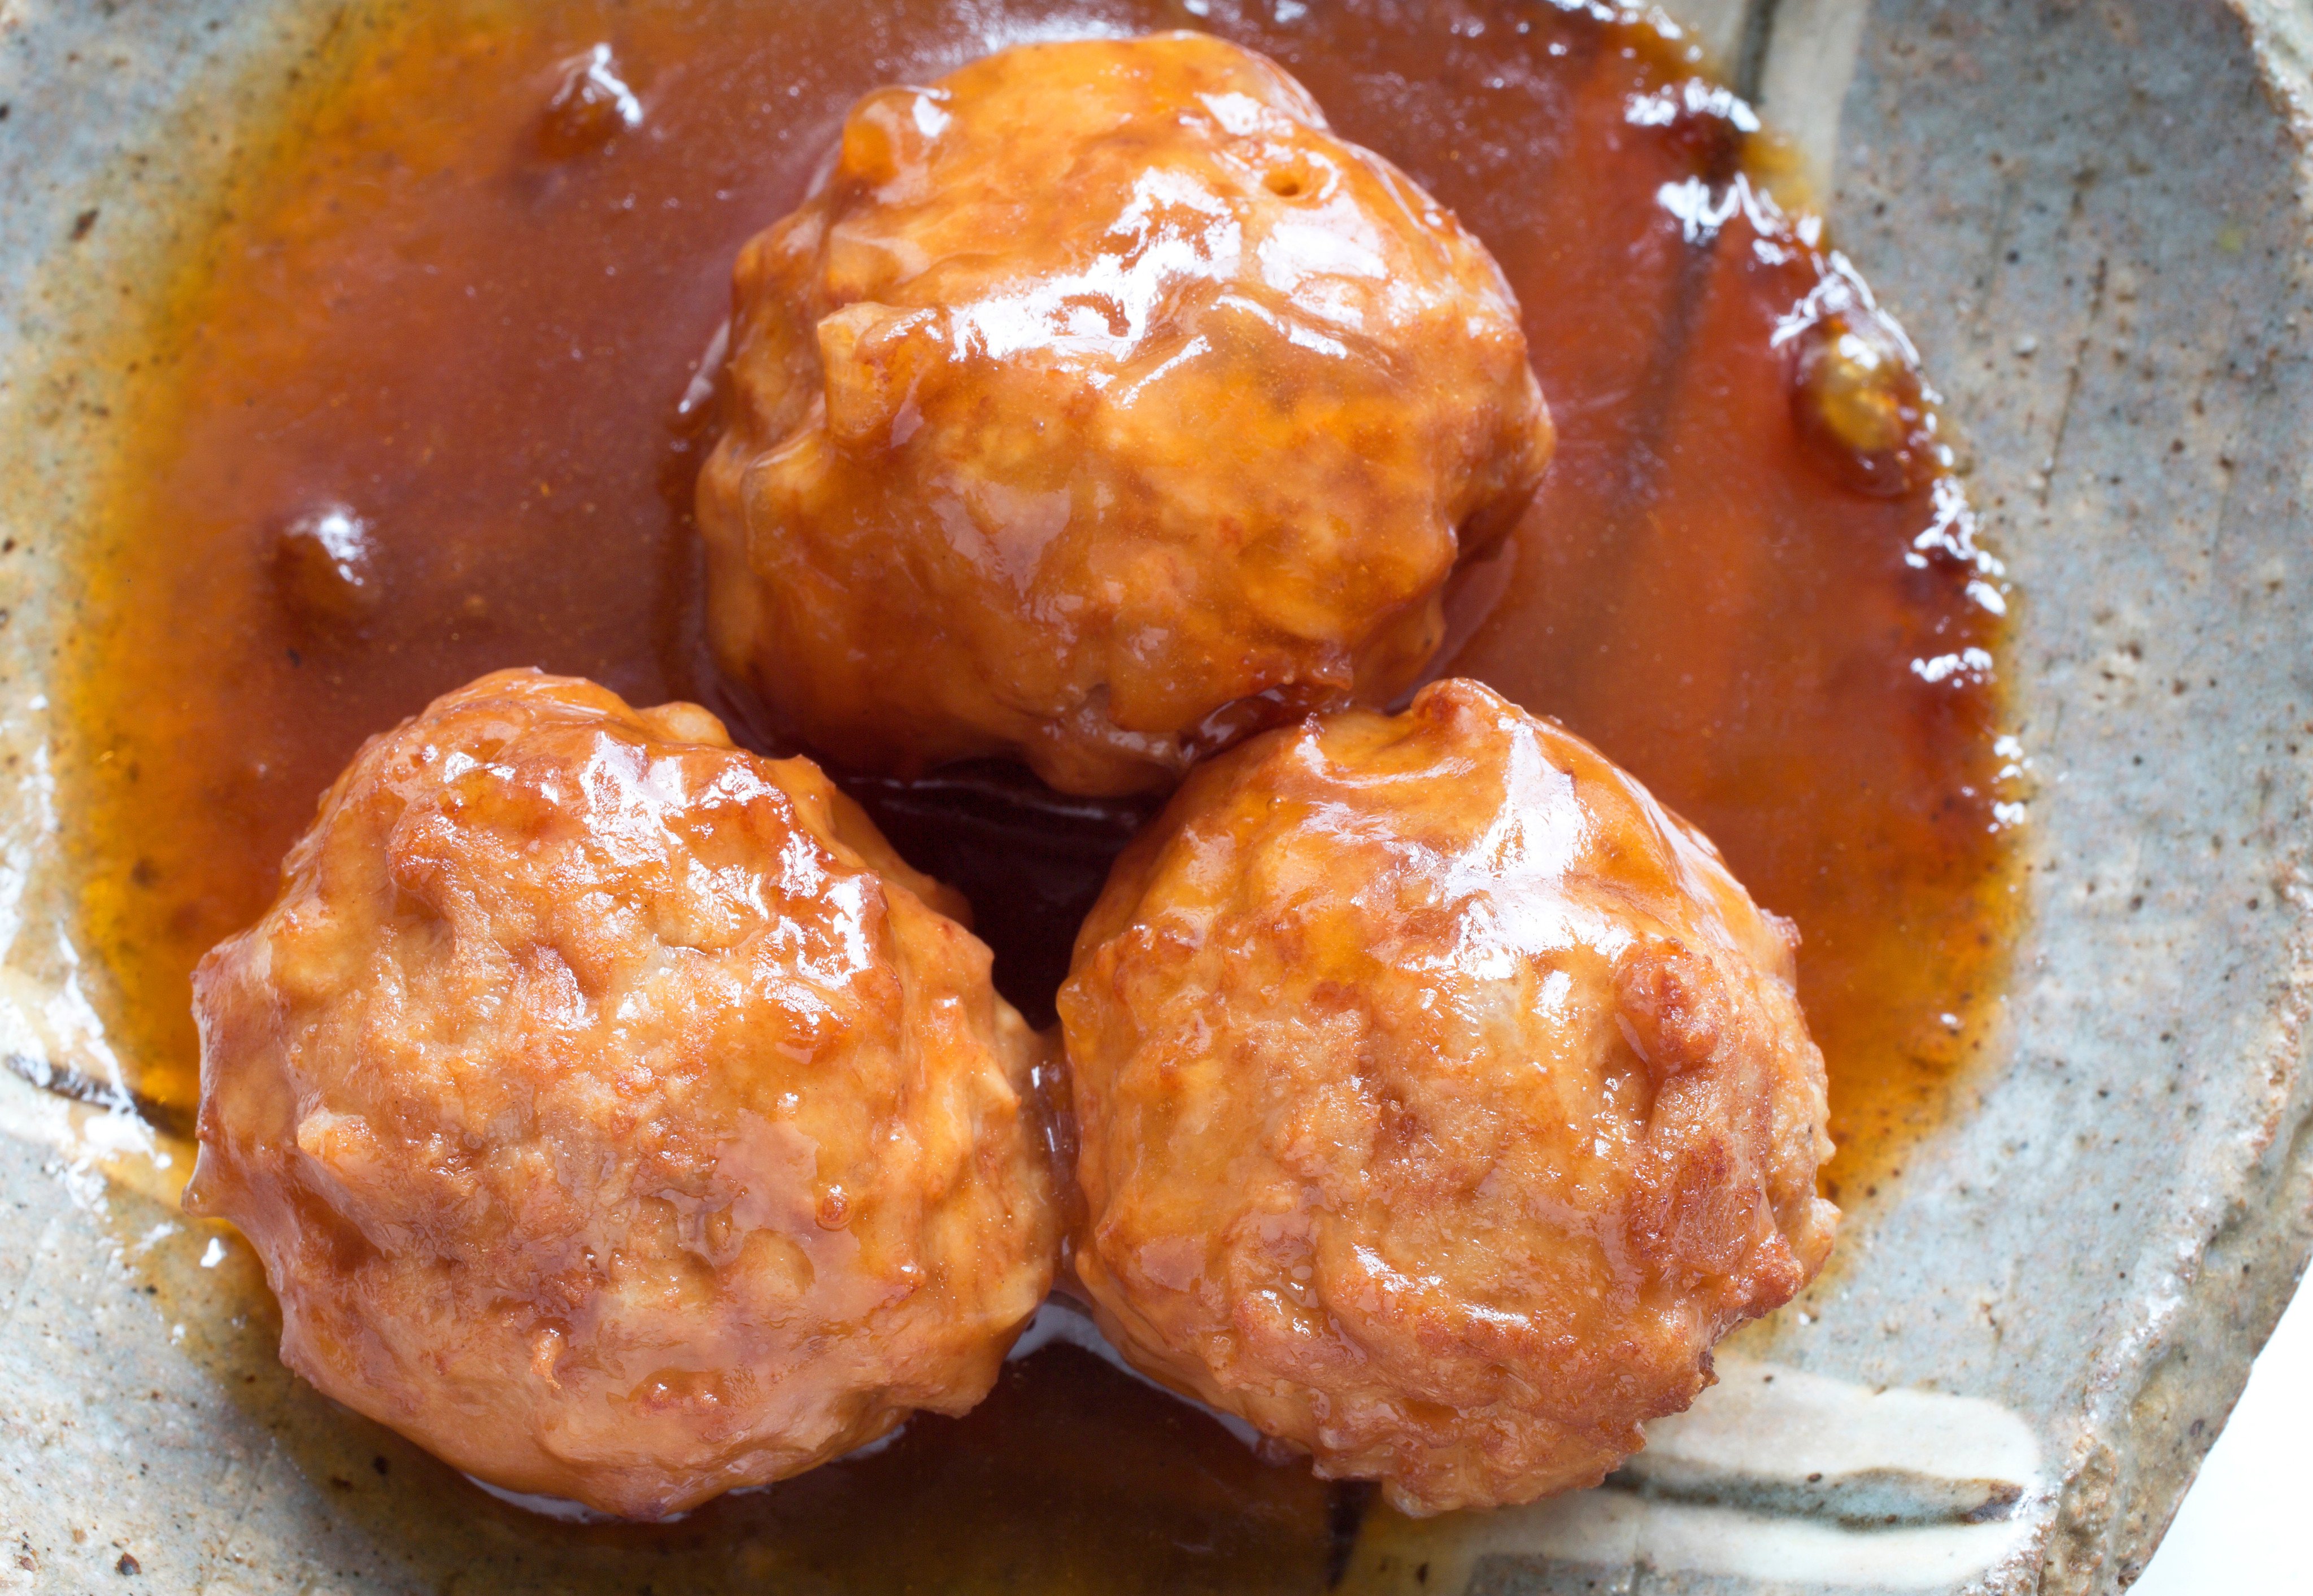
(415, 306)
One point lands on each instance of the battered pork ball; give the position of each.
(1098, 405)
(1442, 1101)
(616, 1115)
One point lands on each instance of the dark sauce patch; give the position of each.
(1031, 860)
(470, 319)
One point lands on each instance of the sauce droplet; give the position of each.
(590, 106)
(1858, 400)
(325, 568)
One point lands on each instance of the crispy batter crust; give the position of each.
(1098, 406)
(616, 1115)
(1442, 1100)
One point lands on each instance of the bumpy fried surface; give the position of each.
(1099, 406)
(1442, 1101)
(616, 1115)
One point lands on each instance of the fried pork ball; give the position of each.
(616, 1115)
(1442, 1100)
(1098, 405)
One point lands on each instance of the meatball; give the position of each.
(615, 1114)
(1099, 406)
(1442, 1100)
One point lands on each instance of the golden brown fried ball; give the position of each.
(1442, 1100)
(616, 1115)
(1099, 405)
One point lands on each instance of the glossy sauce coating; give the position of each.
(1442, 1101)
(1149, 412)
(422, 308)
(616, 1114)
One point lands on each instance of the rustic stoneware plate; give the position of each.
(2092, 216)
